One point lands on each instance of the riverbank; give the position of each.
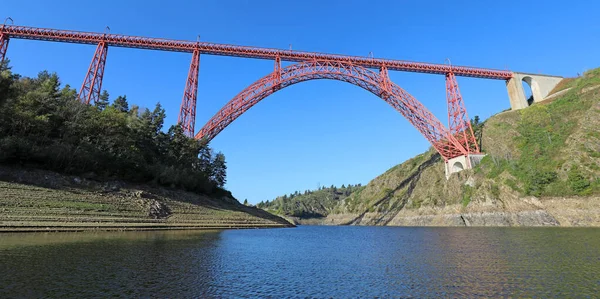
(529, 211)
(36, 200)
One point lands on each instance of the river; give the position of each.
(304, 262)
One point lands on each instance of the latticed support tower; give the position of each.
(187, 111)
(459, 124)
(92, 84)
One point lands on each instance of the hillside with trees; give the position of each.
(69, 166)
(43, 125)
(310, 203)
(542, 168)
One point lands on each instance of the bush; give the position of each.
(538, 181)
(467, 193)
(495, 191)
(577, 181)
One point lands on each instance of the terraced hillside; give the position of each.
(35, 200)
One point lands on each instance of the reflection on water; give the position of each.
(338, 262)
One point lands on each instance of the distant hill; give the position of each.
(542, 168)
(310, 203)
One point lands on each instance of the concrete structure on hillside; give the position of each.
(540, 85)
(460, 163)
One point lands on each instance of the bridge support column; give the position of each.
(92, 84)
(460, 163)
(540, 85)
(3, 45)
(277, 74)
(187, 111)
(458, 119)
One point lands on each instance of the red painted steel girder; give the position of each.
(187, 111)
(421, 118)
(92, 84)
(3, 45)
(119, 40)
(458, 120)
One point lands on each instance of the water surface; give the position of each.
(308, 261)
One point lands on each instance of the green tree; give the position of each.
(219, 170)
(44, 125)
(158, 119)
(477, 127)
(246, 202)
(121, 104)
(102, 102)
(205, 154)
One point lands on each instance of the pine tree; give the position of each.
(219, 170)
(205, 154)
(134, 111)
(121, 104)
(158, 118)
(102, 102)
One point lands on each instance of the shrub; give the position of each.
(577, 181)
(467, 193)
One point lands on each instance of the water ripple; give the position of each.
(305, 262)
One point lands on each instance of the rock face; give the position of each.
(525, 218)
(158, 210)
(583, 211)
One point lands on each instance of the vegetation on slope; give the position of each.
(68, 166)
(38, 200)
(311, 203)
(549, 149)
(45, 126)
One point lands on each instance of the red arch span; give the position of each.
(377, 83)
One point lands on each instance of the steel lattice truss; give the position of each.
(119, 40)
(187, 111)
(377, 83)
(3, 45)
(92, 84)
(458, 120)
(452, 142)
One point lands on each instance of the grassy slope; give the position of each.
(33, 200)
(550, 149)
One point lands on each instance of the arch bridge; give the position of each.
(455, 143)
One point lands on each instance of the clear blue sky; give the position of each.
(318, 132)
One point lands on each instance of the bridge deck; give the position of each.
(119, 40)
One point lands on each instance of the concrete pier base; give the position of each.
(460, 163)
(540, 85)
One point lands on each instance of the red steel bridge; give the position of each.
(369, 73)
